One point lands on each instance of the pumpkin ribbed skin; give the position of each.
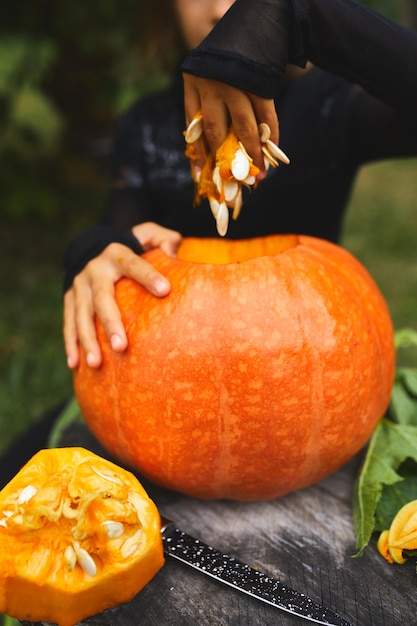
(62, 500)
(254, 377)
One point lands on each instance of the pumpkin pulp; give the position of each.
(227, 251)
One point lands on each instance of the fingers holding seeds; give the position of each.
(265, 113)
(194, 129)
(222, 178)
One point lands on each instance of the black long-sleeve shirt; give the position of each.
(357, 105)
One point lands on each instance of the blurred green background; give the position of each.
(67, 70)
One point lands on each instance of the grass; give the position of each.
(380, 229)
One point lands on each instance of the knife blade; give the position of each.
(228, 570)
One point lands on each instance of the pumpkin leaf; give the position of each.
(387, 478)
(403, 407)
(395, 496)
(389, 447)
(10, 621)
(408, 376)
(405, 338)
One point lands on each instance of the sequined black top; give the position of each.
(357, 105)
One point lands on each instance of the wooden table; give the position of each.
(305, 538)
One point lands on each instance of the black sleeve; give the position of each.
(91, 243)
(248, 48)
(257, 38)
(128, 202)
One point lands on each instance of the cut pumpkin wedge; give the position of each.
(78, 534)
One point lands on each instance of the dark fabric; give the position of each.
(329, 126)
(256, 39)
(248, 48)
(35, 439)
(91, 243)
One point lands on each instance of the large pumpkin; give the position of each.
(265, 369)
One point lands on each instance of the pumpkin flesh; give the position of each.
(265, 369)
(77, 535)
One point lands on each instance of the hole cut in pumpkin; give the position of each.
(228, 251)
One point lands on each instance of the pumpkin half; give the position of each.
(264, 370)
(78, 535)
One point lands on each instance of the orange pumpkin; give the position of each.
(78, 534)
(265, 369)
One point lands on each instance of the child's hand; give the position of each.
(92, 292)
(222, 105)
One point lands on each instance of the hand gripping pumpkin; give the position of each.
(265, 369)
(78, 534)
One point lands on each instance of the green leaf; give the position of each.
(403, 407)
(10, 621)
(388, 477)
(391, 444)
(69, 415)
(405, 338)
(408, 376)
(393, 498)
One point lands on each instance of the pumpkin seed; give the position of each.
(70, 558)
(217, 179)
(250, 180)
(276, 152)
(264, 132)
(238, 205)
(214, 206)
(269, 157)
(26, 494)
(222, 219)
(194, 130)
(113, 479)
(85, 560)
(242, 147)
(231, 189)
(6, 515)
(240, 165)
(113, 529)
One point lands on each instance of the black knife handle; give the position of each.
(228, 570)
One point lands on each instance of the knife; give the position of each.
(226, 569)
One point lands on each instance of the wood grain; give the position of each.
(305, 538)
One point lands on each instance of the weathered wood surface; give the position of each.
(305, 538)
